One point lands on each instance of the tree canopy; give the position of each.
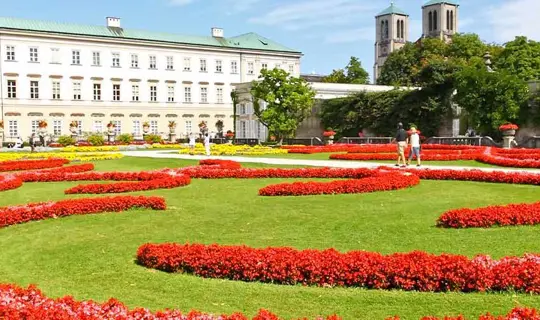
(287, 101)
(353, 73)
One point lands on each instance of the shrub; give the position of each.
(96, 139)
(125, 138)
(152, 138)
(66, 141)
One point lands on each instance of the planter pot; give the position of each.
(146, 129)
(172, 129)
(73, 130)
(42, 131)
(110, 130)
(331, 138)
(509, 133)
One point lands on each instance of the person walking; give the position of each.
(191, 144)
(414, 140)
(32, 143)
(207, 143)
(401, 139)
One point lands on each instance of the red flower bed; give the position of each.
(418, 271)
(508, 215)
(392, 156)
(31, 164)
(378, 181)
(507, 162)
(10, 182)
(44, 210)
(224, 164)
(18, 303)
(514, 314)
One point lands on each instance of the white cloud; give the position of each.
(515, 18)
(310, 13)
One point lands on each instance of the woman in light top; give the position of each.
(414, 140)
(207, 143)
(191, 144)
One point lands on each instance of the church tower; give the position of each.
(391, 34)
(440, 19)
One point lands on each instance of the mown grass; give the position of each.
(92, 257)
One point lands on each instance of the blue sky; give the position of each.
(328, 32)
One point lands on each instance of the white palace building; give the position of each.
(62, 72)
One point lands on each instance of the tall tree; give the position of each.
(287, 102)
(521, 57)
(401, 67)
(353, 73)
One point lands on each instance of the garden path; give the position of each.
(305, 162)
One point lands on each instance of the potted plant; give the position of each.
(110, 127)
(73, 127)
(172, 126)
(508, 129)
(42, 127)
(219, 127)
(329, 134)
(146, 127)
(229, 135)
(1, 126)
(203, 127)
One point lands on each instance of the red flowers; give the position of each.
(40, 211)
(509, 215)
(514, 314)
(31, 164)
(17, 303)
(418, 271)
(377, 181)
(508, 126)
(329, 133)
(223, 164)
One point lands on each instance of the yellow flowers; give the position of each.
(233, 150)
(72, 156)
(90, 149)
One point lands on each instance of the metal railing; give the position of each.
(530, 142)
(308, 141)
(469, 141)
(365, 140)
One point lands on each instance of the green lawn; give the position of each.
(92, 257)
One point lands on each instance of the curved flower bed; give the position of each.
(392, 156)
(39, 211)
(508, 162)
(31, 164)
(508, 215)
(18, 303)
(418, 271)
(72, 156)
(378, 181)
(515, 314)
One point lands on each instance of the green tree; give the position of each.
(401, 67)
(490, 98)
(521, 57)
(288, 101)
(353, 73)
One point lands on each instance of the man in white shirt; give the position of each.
(414, 140)
(207, 143)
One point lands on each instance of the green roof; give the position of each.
(392, 9)
(432, 2)
(250, 41)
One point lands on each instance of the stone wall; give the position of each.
(311, 126)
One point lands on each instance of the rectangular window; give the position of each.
(10, 53)
(134, 61)
(55, 56)
(291, 68)
(242, 109)
(56, 90)
(97, 126)
(116, 60)
(170, 63)
(264, 66)
(116, 92)
(153, 93)
(251, 69)
(134, 92)
(13, 128)
(97, 91)
(34, 90)
(34, 55)
(35, 126)
(12, 89)
(234, 67)
(57, 127)
(203, 65)
(117, 127)
(96, 58)
(77, 90)
(219, 95)
(188, 126)
(75, 57)
(243, 129)
(187, 64)
(152, 62)
(278, 66)
(187, 94)
(79, 127)
(219, 67)
(136, 128)
(204, 95)
(153, 127)
(170, 93)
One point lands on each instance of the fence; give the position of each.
(365, 140)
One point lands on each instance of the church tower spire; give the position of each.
(440, 19)
(391, 34)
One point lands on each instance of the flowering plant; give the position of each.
(329, 132)
(42, 124)
(73, 124)
(146, 124)
(202, 124)
(172, 124)
(229, 134)
(111, 125)
(508, 126)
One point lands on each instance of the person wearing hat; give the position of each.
(414, 140)
(401, 139)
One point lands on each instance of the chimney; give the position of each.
(217, 32)
(113, 22)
